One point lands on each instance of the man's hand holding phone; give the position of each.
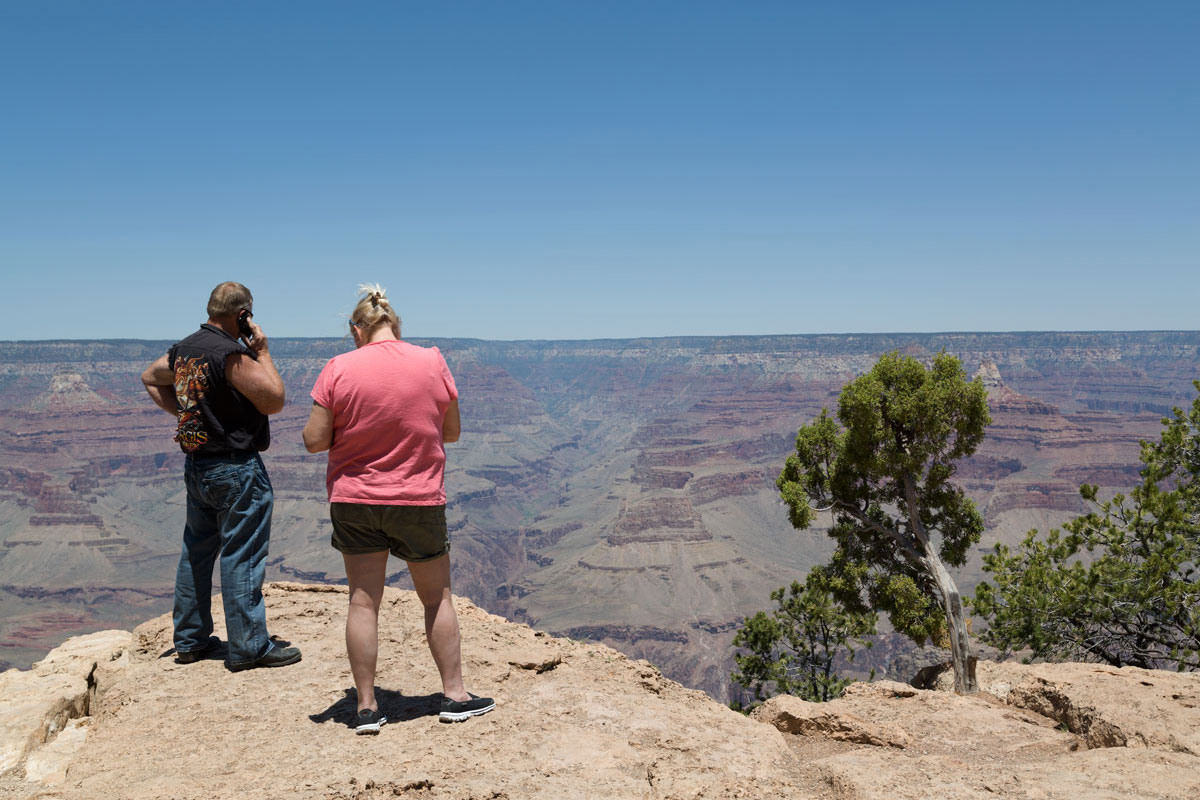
(253, 335)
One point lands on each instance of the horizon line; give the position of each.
(664, 338)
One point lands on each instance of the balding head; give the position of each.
(228, 299)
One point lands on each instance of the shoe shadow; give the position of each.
(396, 706)
(215, 651)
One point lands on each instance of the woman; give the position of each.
(383, 412)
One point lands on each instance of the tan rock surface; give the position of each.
(980, 746)
(48, 764)
(792, 715)
(572, 720)
(1107, 706)
(581, 721)
(38, 703)
(1091, 775)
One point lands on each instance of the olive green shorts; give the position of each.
(413, 533)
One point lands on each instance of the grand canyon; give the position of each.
(619, 491)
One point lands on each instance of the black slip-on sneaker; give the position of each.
(192, 656)
(457, 711)
(275, 657)
(368, 721)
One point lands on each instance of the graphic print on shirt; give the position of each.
(191, 382)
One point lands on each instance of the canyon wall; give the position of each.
(614, 490)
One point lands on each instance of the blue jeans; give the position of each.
(229, 502)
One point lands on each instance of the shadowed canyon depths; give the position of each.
(617, 490)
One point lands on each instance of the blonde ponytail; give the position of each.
(374, 310)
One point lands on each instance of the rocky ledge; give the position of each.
(113, 715)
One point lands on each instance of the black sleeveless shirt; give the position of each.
(214, 417)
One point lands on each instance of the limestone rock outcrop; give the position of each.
(1064, 731)
(45, 709)
(118, 717)
(1106, 706)
(572, 720)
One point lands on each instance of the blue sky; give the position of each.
(544, 170)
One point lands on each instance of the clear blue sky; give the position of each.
(602, 169)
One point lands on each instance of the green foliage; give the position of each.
(883, 467)
(792, 650)
(1118, 585)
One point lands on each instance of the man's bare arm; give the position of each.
(451, 425)
(318, 432)
(258, 380)
(159, 381)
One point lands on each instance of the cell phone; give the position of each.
(244, 324)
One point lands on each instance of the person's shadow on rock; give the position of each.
(396, 706)
(215, 650)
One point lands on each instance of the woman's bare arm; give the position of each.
(318, 431)
(451, 425)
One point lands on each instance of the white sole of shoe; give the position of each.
(459, 716)
(367, 730)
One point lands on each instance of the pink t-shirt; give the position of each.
(388, 400)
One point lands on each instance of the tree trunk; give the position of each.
(956, 626)
(964, 659)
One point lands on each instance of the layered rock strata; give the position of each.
(560, 437)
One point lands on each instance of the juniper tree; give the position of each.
(792, 649)
(883, 468)
(1118, 585)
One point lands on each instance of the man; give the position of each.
(221, 391)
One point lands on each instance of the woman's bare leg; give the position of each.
(365, 573)
(432, 582)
